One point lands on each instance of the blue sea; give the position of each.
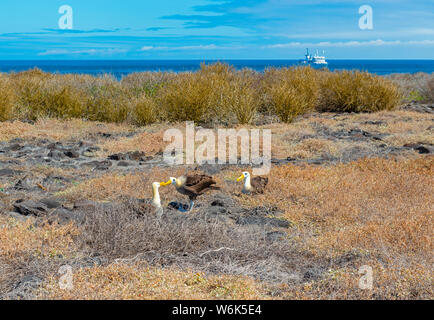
(119, 68)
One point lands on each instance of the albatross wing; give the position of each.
(198, 184)
(259, 183)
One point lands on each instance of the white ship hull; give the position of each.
(314, 61)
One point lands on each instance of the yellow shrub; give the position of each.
(107, 101)
(243, 96)
(349, 91)
(7, 99)
(139, 83)
(185, 98)
(144, 110)
(197, 96)
(64, 102)
(291, 91)
(31, 98)
(215, 94)
(46, 95)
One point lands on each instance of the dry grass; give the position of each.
(112, 185)
(379, 206)
(311, 148)
(29, 250)
(380, 209)
(149, 141)
(376, 212)
(301, 139)
(372, 212)
(400, 280)
(39, 251)
(350, 199)
(44, 241)
(188, 242)
(58, 129)
(137, 282)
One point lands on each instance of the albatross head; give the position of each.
(177, 182)
(172, 180)
(244, 175)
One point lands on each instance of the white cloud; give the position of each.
(396, 33)
(378, 42)
(147, 48)
(199, 47)
(108, 51)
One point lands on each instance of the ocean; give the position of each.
(119, 68)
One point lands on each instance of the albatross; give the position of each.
(151, 206)
(253, 185)
(193, 186)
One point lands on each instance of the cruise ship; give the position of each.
(315, 60)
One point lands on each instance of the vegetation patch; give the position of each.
(215, 94)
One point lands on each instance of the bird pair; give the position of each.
(195, 185)
(189, 185)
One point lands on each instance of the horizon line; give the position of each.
(223, 59)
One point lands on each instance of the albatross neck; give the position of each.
(156, 197)
(180, 181)
(247, 184)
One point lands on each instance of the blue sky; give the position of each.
(215, 29)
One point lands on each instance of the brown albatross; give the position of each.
(193, 186)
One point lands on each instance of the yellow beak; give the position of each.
(165, 183)
(240, 178)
